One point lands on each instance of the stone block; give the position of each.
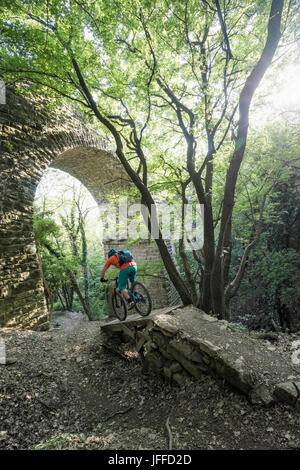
(179, 379)
(287, 392)
(165, 325)
(234, 375)
(209, 348)
(260, 395)
(159, 339)
(167, 372)
(165, 354)
(195, 370)
(175, 367)
(153, 361)
(182, 348)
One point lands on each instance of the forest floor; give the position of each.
(62, 389)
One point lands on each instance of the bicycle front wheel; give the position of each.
(119, 306)
(144, 302)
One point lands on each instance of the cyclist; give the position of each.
(128, 270)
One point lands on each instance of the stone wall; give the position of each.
(179, 343)
(35, 136)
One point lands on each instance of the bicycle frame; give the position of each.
(115, 279)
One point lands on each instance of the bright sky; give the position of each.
(268, 105)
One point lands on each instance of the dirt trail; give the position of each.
(63, 382)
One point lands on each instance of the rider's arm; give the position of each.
(102, 274)
(110, 261)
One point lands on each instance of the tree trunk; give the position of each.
(209, 236)
(74, 284)
(82, 300)
(252, 82)
(84, 263)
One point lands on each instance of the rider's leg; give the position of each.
(132, 274)
(125, 294)
(122, 283)
(132, 279)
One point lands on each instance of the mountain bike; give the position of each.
(140, 296)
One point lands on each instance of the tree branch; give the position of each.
(224, 31)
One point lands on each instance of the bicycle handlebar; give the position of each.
(108, 280)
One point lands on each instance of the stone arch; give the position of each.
(97, 169)
(34, 137)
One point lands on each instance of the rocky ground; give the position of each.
(63, 389)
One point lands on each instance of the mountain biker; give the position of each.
(128, 270)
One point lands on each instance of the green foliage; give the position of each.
(150, 269)
(50, 236)
(67, 239)
(277, 276)
(95, 262)
(58, 263)
(67, 441)
(123, 47)
(194, 266)
(58, 271)
(269, 163)
(237, 327)
(45, 227)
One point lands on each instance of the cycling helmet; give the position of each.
(111, 252)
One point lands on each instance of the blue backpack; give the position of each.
(124, 256)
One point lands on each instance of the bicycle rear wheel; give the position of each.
(144, 302)
(119, 306)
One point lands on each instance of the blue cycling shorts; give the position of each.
(124, 275)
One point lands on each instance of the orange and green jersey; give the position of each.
(115, 261)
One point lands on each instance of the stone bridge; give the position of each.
(34, 136)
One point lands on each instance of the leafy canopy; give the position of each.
(125, 48)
